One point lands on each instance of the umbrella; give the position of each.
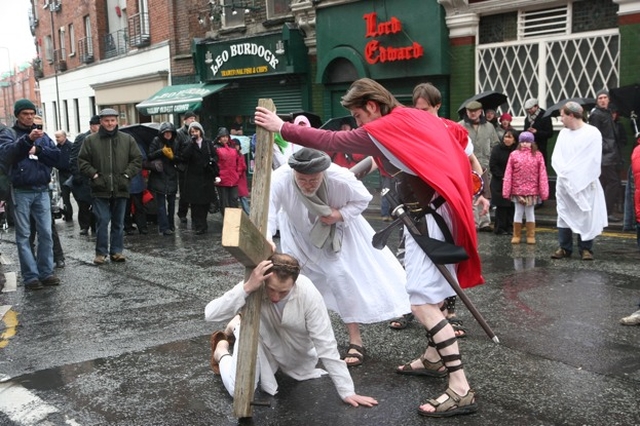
(489, 100)
(314, 119)
(142, 132)
(337, 122)
(626, 99)
(554, 110)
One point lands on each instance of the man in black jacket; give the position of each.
(64, 173)
(183, 139)
(602, 119)
(80, 188)
(541, 126)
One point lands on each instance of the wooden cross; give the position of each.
(244, 237)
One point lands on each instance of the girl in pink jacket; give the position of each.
(525, 183)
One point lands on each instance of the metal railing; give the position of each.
(60, 59)
(139, 35)
(85, 50)
(115, 44)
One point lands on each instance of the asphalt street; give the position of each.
(126, 344)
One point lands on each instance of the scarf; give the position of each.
(322, 236)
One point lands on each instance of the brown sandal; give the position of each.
(453, 406)
(431, 369)
(360, 354)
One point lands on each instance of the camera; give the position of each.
(37, 126)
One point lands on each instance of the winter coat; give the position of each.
(526, 174)
(635, 169)
(229, 163)
(484, 137)
(243, 187)
(543, 126)
(165, 181)
(138, 184)
(603, 120)
(202, 169)
(497, 164)
(27, 172)
(114, 157)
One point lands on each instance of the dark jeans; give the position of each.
(58, 253)
(139, 215)
(611, 185)
(66, 199)
(228, 197)
(199, 214)
(565, 239)
(109, 211)
(504, 219)
(86, 219)
(166, 211)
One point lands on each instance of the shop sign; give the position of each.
(375, 51)
(252, 51)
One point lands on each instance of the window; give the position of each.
(87, 34)
(55, 115)
(66, 114)
(76, 108)
(278, 9)
(550, 54)
(61, 38)
(233, 16)
(72, 40)
(48, 48)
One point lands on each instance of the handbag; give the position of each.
(153, 165)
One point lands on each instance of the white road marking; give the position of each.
(3, 310)
(26, 408)
(10, 283)
(4, 260)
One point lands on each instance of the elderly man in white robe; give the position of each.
(580, 199)
(317, 207)
(295, 331)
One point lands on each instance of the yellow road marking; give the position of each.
(10, 320)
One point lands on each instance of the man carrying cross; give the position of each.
(431, 169)
(295, 331)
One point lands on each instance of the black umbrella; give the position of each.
(554, 110)
(314, 119)
(142, 132)
(489, 100)
(337, 122)
(626, 99)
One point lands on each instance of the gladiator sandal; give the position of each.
(455, 404)
(431, 369)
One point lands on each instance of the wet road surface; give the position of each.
(126, 344)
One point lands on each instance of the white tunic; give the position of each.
(360, 283)
(292, 342)
(580, 199)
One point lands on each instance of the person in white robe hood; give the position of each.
(579, 196)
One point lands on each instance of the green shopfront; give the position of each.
(272, 66)
(386, 40)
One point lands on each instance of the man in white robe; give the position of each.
(295, 331)
(317, 207)
(580, 199)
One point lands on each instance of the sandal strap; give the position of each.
(446, 343)
(428, 365)
(439, 326)
(454, 401)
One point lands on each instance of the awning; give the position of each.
(178, 99)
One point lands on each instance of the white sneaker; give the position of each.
(633, 319)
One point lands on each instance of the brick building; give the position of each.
(17, 84)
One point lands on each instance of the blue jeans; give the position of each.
(166, 211)
(565, 239)
(244, 203)
(109, 210)
(38, 205)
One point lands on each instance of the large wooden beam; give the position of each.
(247, 242)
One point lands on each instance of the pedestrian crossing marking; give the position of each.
(10, 282)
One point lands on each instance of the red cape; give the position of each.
(429, 149)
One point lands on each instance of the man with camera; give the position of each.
(30, 155)
(110, 158)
